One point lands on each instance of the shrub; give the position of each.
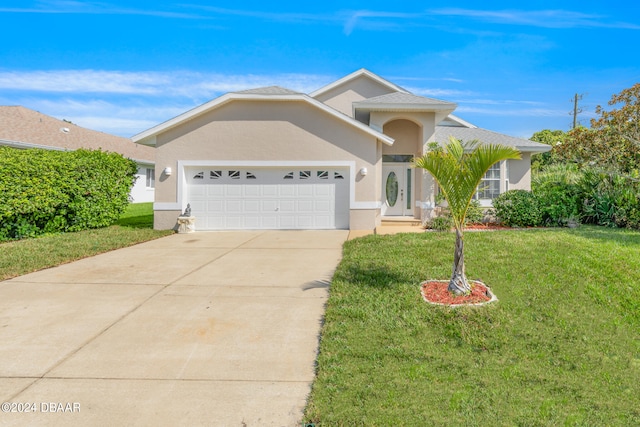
(51, 191)
(441, 223)
(559, 203)
(610, 198)
(558, 193)
(475, 213)
(518, 208)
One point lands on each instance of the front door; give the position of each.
(397, 179)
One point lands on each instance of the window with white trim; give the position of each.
(489, 187)
(151, 177)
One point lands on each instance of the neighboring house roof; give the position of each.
(271, 93)
(356, 74)
(443, 133)
(403, 101)
(21, 127)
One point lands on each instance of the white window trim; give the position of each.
(150, 171)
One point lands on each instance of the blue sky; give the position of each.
(124, 66)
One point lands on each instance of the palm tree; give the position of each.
(458, 169)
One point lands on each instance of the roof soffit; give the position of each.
(402, 101)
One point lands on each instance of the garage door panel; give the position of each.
(269, 222)
(269, 198)
(234, 191)
(305, 206)
(270, 191)
(305, 190)
(213, 206)
(287, 206)
(198, 191)
(252, 191)
(322, 206)
(252, 206)
(214, 190)
(234, 207)
(324, 190)
(269, 205)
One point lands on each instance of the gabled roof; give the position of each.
(453, 120)
(269, 90)
(21, 127)
(271, 94)
(443, 133)
(404, 101)
(355, 75)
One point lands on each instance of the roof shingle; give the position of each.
(22, 125)
(443, 133)
(269, 90)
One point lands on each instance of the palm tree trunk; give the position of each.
(458, 283)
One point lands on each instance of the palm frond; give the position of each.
(459, 172)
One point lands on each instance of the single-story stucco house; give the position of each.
(337, 158)
(23, 128)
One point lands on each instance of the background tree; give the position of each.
(550, 137)
(458, 169)
(613, 141)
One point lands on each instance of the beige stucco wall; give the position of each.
(425, 121)
(167, 220)
(253, 131)
(343, 96)
(362, 219)
(520, 173)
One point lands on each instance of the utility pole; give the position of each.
(576, 110)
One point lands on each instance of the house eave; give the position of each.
(28, 145)
(528, 149)
(25, 145)
(414, 108)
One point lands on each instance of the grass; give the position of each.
(25, 256)
(560, 348)
(137, 215)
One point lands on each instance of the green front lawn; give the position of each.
(25, 256)
(560, 348)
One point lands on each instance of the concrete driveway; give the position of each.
(216, 329)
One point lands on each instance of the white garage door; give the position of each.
(267, 198)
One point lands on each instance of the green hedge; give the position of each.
(45, 191)
(518, 208)
(593, 196)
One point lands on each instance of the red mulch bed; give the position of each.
(436, 291)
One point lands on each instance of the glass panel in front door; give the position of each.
(396, 190)
(392, 189)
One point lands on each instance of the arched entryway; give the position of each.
(399, 183)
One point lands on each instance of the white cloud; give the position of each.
(510, 111)
(91, 8)
(176, 83)
(537, 18)
(125, 103)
